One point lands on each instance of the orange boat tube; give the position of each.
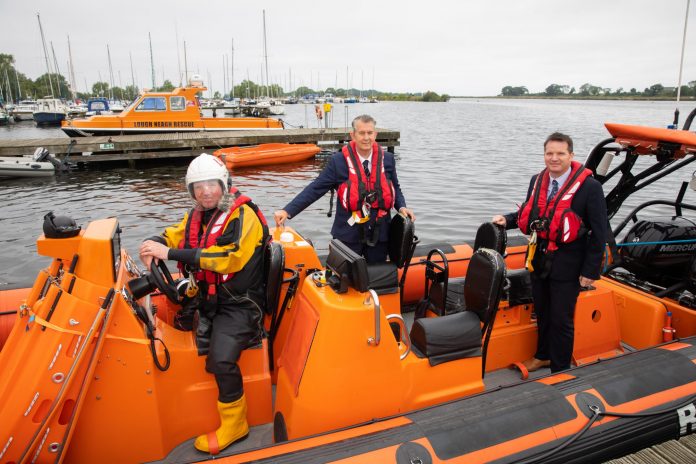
(266, 154)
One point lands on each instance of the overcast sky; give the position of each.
(460, 47)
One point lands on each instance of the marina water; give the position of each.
(458, 164)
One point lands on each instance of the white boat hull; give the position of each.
(20, 166)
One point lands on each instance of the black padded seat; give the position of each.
(488, 235)
(446, 338)
(274, 263)
(450, 336)
(519, 290)
(383, 278)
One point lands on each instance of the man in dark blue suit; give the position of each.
(566, 216)
(362, 214)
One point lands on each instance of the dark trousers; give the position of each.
(236, 326)
(554, 304)
(372, 254)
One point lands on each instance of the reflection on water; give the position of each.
(458, 164)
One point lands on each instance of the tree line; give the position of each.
(590, 90)
(15, 85)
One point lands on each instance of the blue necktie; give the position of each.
(366, 168)
(554, 190)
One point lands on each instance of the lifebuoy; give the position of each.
(318, 111)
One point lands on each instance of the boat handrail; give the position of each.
(373, 298)
(403, 333)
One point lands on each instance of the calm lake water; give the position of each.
(458, 164)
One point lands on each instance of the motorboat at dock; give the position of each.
(164, 112)
(93, 369)
(50, 112)
(40, 164)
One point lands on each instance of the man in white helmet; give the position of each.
(220, 243)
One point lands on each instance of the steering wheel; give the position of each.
(163, 280)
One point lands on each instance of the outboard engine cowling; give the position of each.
(657, 262)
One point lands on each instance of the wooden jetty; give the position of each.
(181, 144)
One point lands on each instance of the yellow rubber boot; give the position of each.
(233, 427)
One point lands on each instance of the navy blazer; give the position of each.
(334, 174)
(583, 257)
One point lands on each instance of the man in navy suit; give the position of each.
(566, 216)
(367, 185)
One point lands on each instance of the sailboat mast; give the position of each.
(111, 74)
(265, 51)
(130, 55)
(152, 62)
(9, 89)
(185, 66)
(224, 77)
(232, 70)
(19, 88)
(178, 60)
(73, 82)
(57, 69)
(43, 42)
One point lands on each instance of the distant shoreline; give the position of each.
(579, 97)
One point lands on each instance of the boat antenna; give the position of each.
(43, 42)
(681, 66)
(152, 62)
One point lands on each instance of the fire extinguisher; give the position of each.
(668, 331)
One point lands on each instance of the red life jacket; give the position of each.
(358, 191)
(194, 237)
(554, 220)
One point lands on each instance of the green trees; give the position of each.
(587, 90)
(509, 91)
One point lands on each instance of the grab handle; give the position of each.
(372, 297)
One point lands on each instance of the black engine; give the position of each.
(663, 264)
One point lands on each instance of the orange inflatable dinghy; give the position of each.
(266, 154)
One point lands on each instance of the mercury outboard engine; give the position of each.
(664, 264)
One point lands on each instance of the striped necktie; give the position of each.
(366, 168)
(554, 190)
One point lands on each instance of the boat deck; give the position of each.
(671, 452)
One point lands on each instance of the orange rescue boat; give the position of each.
(266, 154)
(164, 112)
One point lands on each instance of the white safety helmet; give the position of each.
(206, 167)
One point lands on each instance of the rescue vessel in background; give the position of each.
(164, 112)
(93, 369)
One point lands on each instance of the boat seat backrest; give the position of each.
(383, 278)
(401, 233)
(519, 287)
(491, 236)
(484, 283)
(274, 264)
(451, 336)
